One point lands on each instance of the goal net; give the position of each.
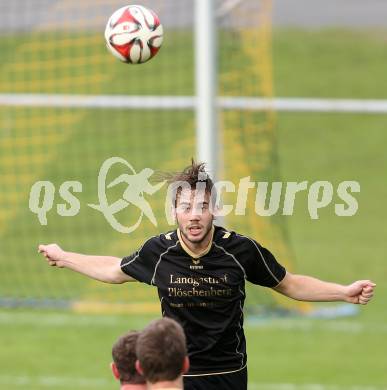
(67, 106)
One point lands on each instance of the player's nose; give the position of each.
(195, 214)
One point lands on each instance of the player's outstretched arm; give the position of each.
(307, 288)
(103, 268)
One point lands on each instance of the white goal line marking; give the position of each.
(190, 102)
(41, 319)
(50, 381)
(330, 325)
(81, 320)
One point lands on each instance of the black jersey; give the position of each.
(206, 294)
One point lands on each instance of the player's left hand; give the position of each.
(360, 292)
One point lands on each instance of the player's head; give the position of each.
(162, 352)
(124, 360)
(192, 201)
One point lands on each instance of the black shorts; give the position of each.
(233, 381)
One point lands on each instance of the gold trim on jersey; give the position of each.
(226, 234)
(168, 235)
(193, 254)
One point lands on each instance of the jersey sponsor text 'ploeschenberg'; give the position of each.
(206, 293)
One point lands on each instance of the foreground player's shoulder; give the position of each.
(222, 235)
(252, 248)
(231, 240)
(141, 265)
(259, 264)
(169, 237)
(165, 240)
(159, 243)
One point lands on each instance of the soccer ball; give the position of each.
(134, 34)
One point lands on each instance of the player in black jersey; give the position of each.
(200, 272)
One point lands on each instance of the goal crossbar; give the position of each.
(189, 103)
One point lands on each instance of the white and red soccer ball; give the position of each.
(134, 34)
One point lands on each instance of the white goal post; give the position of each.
(207, 134)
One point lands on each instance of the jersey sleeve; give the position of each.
(262, 267)
(141, 264)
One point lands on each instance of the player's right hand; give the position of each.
(53, 253)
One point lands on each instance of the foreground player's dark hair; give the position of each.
(124, 357)
(161, 350)
(193, 174)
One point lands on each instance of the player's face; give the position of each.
(193, 215)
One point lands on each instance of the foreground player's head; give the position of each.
(162, 353)
(124, 362)
(192, 202)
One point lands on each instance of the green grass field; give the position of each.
(64, 350)
(60, 349)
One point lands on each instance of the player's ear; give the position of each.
(139, 368)
(114, 369)
(185, 365)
